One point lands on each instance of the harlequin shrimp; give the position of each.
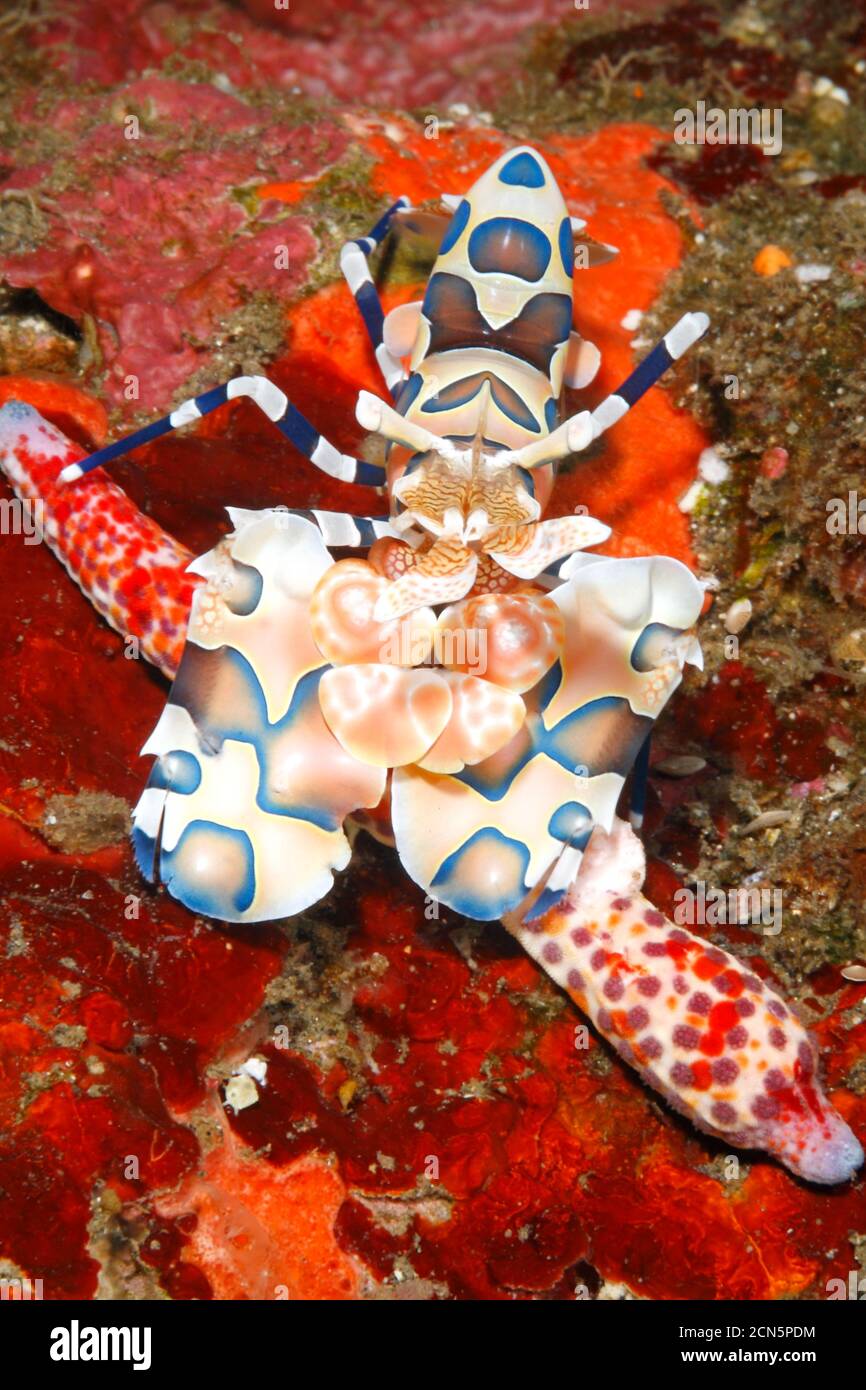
(464, 655)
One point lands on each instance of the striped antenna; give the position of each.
(271, 401)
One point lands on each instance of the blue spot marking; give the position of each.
(305, 698)
(450, 307)
(510, 246)
(468, 897)
(408, 392)
(551, 414)
(574, 742)
(177, 771)
(197, 890)
(527, 479)
(522, 170)
(572, 823)
(144, 849)
(562, 327)
(566, 245)
(432, 301)
(246, 592)
(544, 902)
(640, 658)
(460, 393)
(515, 408)
(640, 778)
(548, 685)
(457, 397)
(455, 228)
(247, 722)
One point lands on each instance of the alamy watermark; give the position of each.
(23, 516)
(77, 1343)
(739, 125)
(854, 1288)
(847, 516)
(709, 907)
(19, 1288)
(462, 648)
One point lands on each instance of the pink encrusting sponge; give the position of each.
(698, 1026)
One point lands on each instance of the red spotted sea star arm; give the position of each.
(698, 1026)
(132, 571)
(716, 1041)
